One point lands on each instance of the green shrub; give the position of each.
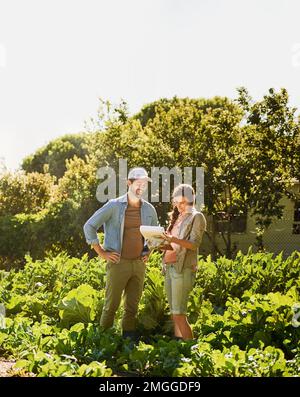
(53, 307)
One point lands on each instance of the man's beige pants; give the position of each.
(128, 276)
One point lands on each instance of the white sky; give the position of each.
(58, 57)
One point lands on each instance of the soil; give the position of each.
(5, 367)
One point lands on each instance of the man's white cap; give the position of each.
(138, 173)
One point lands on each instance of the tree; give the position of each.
(25, 193)
(200, 133)
(271, 137)
(52, 157)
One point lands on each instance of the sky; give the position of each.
(58, 57)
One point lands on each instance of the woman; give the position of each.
(184, 234)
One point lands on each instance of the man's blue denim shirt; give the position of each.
(111, 215)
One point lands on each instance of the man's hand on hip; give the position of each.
(110, 256)
(107, 255)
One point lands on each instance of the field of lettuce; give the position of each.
(244, 314)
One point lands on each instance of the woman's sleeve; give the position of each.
(198, 229)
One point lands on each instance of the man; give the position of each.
(124, 249)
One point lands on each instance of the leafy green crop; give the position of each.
(78, 305)
(242, 313)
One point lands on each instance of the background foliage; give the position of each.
(249, 151)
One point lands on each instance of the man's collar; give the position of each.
(123, 198)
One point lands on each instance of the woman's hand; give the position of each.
(164, 247)
(183, 243)
(168, 237)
